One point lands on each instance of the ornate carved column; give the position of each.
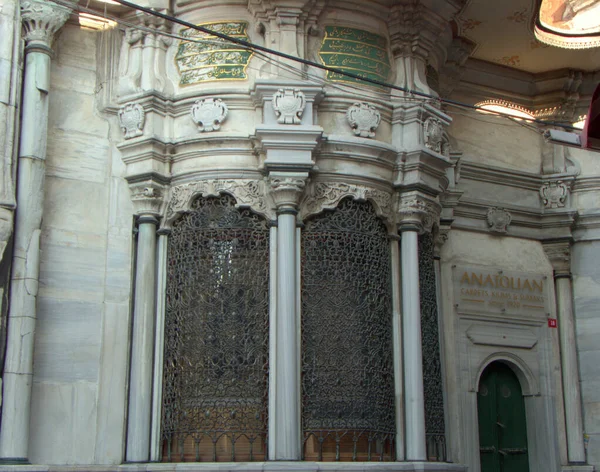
(147, 199)
(285, 442)
(416, 213)
(559, 253)
(41, 20)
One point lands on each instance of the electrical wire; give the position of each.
(266, 54)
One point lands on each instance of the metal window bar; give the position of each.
(347, 359)
(432, 367)
(215, 381)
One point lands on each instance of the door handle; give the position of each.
(487, 449)
(501, 425)
(512, 450)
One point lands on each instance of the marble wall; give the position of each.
(586, 283)
(78, 403)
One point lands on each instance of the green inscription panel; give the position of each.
(359, 52)
(209, 58)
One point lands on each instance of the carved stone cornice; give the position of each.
(286, 189)
(327, 195)
(417, 211)
(41, 21)
(247, 193)
(559, 254)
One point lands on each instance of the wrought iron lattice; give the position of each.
(216, 335)
(432, 365)
(347, 360)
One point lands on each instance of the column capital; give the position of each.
(559, 254)
(286, 189)
(417, 212)
(41, 21)
(147, 198)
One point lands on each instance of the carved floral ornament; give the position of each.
(364, 119)
(498, 219)
(289, 105)
(554, 194)
(131, 120)
(209, 113)
(248, 193)
(327, 195)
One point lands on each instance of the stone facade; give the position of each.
(123, 129)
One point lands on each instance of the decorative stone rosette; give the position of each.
(209, 113)
(554, 194)
(288, 105)
(131, 119)
(433, 134)
(364, 119)
(498, 219)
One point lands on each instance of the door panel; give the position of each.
(502, 426)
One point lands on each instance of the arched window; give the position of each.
(347, 360)
(215, 380)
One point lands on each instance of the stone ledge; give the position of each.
(273, 466)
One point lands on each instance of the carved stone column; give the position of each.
(285, 440)
(416, 213)
(147, 201)
(559, 253)
(41, 20)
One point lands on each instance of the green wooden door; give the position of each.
(502, 427)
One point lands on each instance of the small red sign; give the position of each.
(552, 323)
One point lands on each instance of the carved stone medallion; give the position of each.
(131, 119)
(433, 133)
(554, 194)
(289, 105)
(209, 113)
(364, 119)
(498, 219)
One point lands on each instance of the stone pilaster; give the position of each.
(559, 254)
(41, 20)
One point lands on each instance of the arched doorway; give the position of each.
(502, 425)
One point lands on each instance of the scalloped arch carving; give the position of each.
(322, 196)
(247, 193)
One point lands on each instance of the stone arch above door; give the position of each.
(529, 384)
